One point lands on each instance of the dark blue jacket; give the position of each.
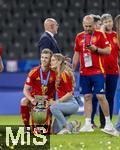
(47, 41)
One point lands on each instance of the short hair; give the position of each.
(106, 16)
(96, 17)
(47, 51)
(49, 21)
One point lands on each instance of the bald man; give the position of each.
(47, 39)
(90, 45)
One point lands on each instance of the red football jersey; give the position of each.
(34, 81)
(111, 61)
(0, 50)
(99, 40)
(65, 84)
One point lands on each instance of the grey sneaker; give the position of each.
(87, 128)
(76, 126)
(112, 132)
(64, 131)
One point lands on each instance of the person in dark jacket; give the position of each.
(47, 39)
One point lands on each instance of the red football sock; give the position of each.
(25, 115)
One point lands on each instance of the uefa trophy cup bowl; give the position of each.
(39, 112)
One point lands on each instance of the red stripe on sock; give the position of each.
(25, 114)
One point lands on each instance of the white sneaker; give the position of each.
(109, 129)
(64, 131)
(109, 126)
(113, 132)
(87, 128)
(76, 126)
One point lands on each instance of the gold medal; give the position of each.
(44, 82)
(44, 89)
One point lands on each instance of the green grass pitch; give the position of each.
(82, 141)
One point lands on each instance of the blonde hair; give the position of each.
(59, 57)
(47, 51)
(64, 67)
(106, 16)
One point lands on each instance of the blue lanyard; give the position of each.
(84, 40)
(44, 82)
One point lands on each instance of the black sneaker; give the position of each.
(102, 126)
(94, 126)
(26, 129)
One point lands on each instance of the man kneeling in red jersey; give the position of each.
(40, 82)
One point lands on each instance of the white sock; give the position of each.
(88, 121)
(107, 119)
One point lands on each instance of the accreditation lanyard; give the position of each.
(87, 55)
(44, 82)
(84, 41)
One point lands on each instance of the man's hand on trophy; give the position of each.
(46, 103)
(34, 101)
(41, 97)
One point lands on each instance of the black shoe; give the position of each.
(102, 126)
(94, 126)
(26, 129)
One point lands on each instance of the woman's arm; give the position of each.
(75, 60)
(66, 97)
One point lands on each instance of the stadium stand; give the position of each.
(22, 23)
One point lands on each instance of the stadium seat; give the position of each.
(61, 4)
(32, 51)
(114, 13)
(94, 11)
(56, 13)
(42, 5)
(77, 4)
(4, 38)
(94, 5)
(111, 5)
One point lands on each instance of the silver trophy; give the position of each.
(39, 112)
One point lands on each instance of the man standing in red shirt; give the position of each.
(90, 46)
(40, 81)
(110, 64)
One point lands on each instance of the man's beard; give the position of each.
(90, 31)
